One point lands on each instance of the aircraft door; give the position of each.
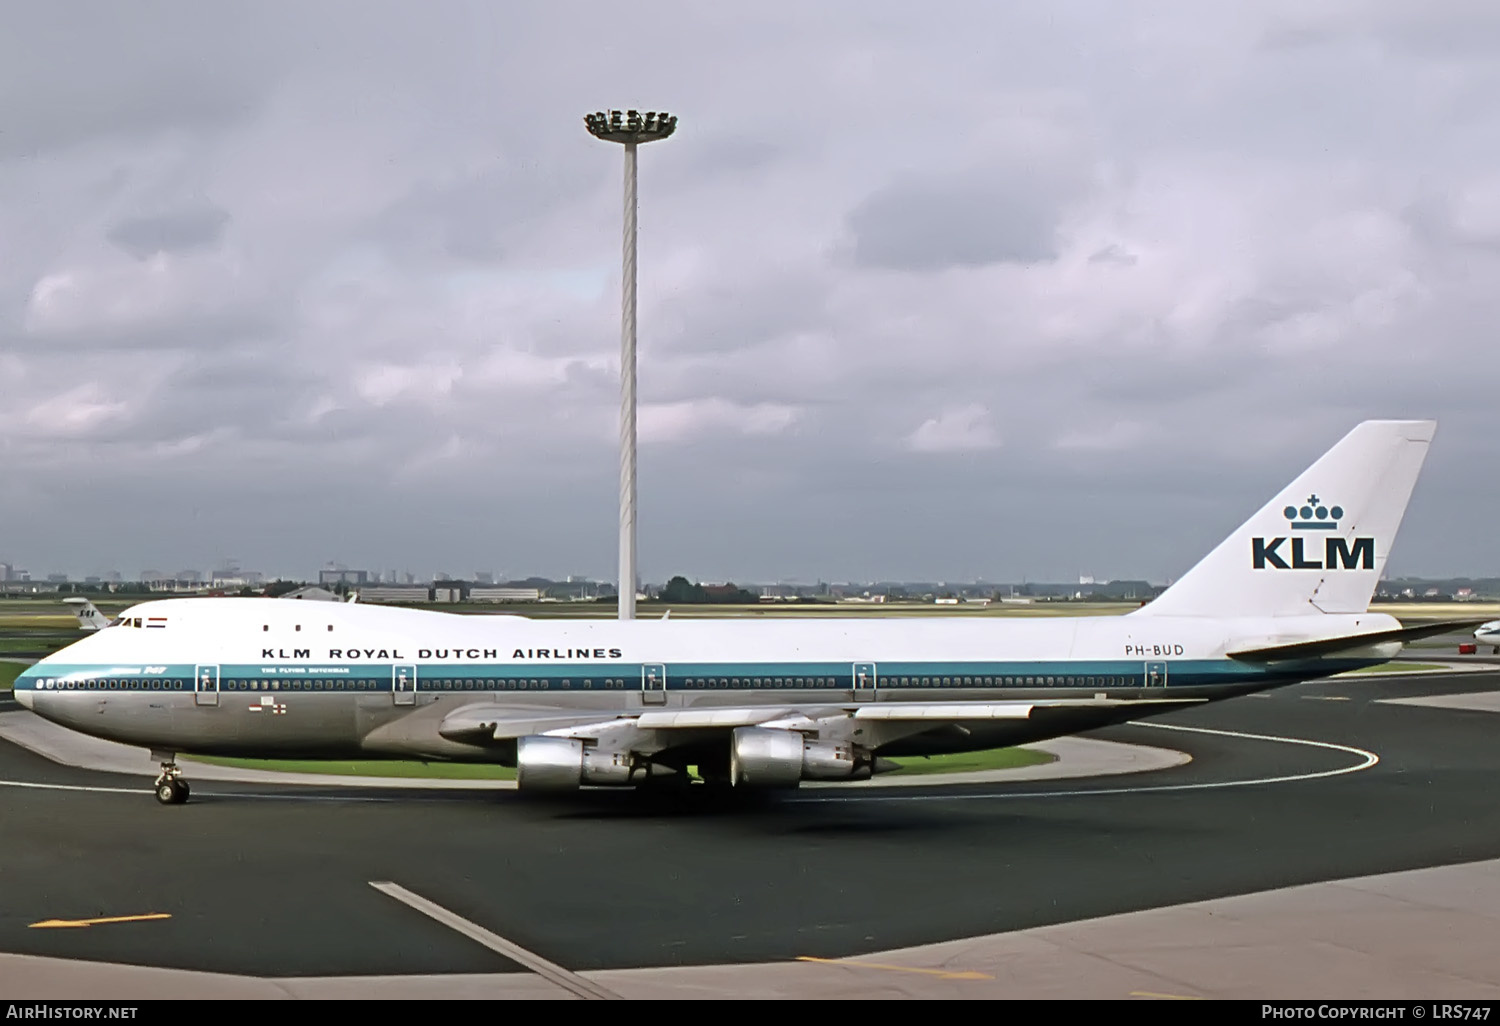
(1156, 675)
(653, 684)
(206, 685)
(404, 685)
(864, 681)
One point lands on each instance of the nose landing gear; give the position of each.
(171, 789)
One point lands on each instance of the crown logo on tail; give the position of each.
(1313, 516)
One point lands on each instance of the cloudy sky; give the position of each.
(937, 291)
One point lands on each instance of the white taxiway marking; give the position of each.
(1367, 759)
(72, 787)
(550, 971)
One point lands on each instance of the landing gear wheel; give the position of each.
(171, 789)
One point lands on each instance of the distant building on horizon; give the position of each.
(396, 593)
(342, 576)
(504, 594)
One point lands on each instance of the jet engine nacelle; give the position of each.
(761, 757)
(563, 764)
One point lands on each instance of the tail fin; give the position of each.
(89, 618)
(1321, 544)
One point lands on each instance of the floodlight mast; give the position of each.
(630, 128)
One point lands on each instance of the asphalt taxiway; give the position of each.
(308, 886)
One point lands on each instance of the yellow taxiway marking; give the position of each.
(942, 974)
(1169, 997)
(51, 924)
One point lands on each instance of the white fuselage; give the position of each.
(261, 677)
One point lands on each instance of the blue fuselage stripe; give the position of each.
(840, 676)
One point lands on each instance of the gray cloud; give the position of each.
(935, 224)
(176, 232)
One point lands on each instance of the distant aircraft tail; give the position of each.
(89, 618)
(1319, 546)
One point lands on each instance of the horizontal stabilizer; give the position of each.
(1348, 642)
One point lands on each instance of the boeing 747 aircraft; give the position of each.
(752, 704)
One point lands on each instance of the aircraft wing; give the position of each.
(958, 711)
(485, 722)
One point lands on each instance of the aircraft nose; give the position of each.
(26, 685)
